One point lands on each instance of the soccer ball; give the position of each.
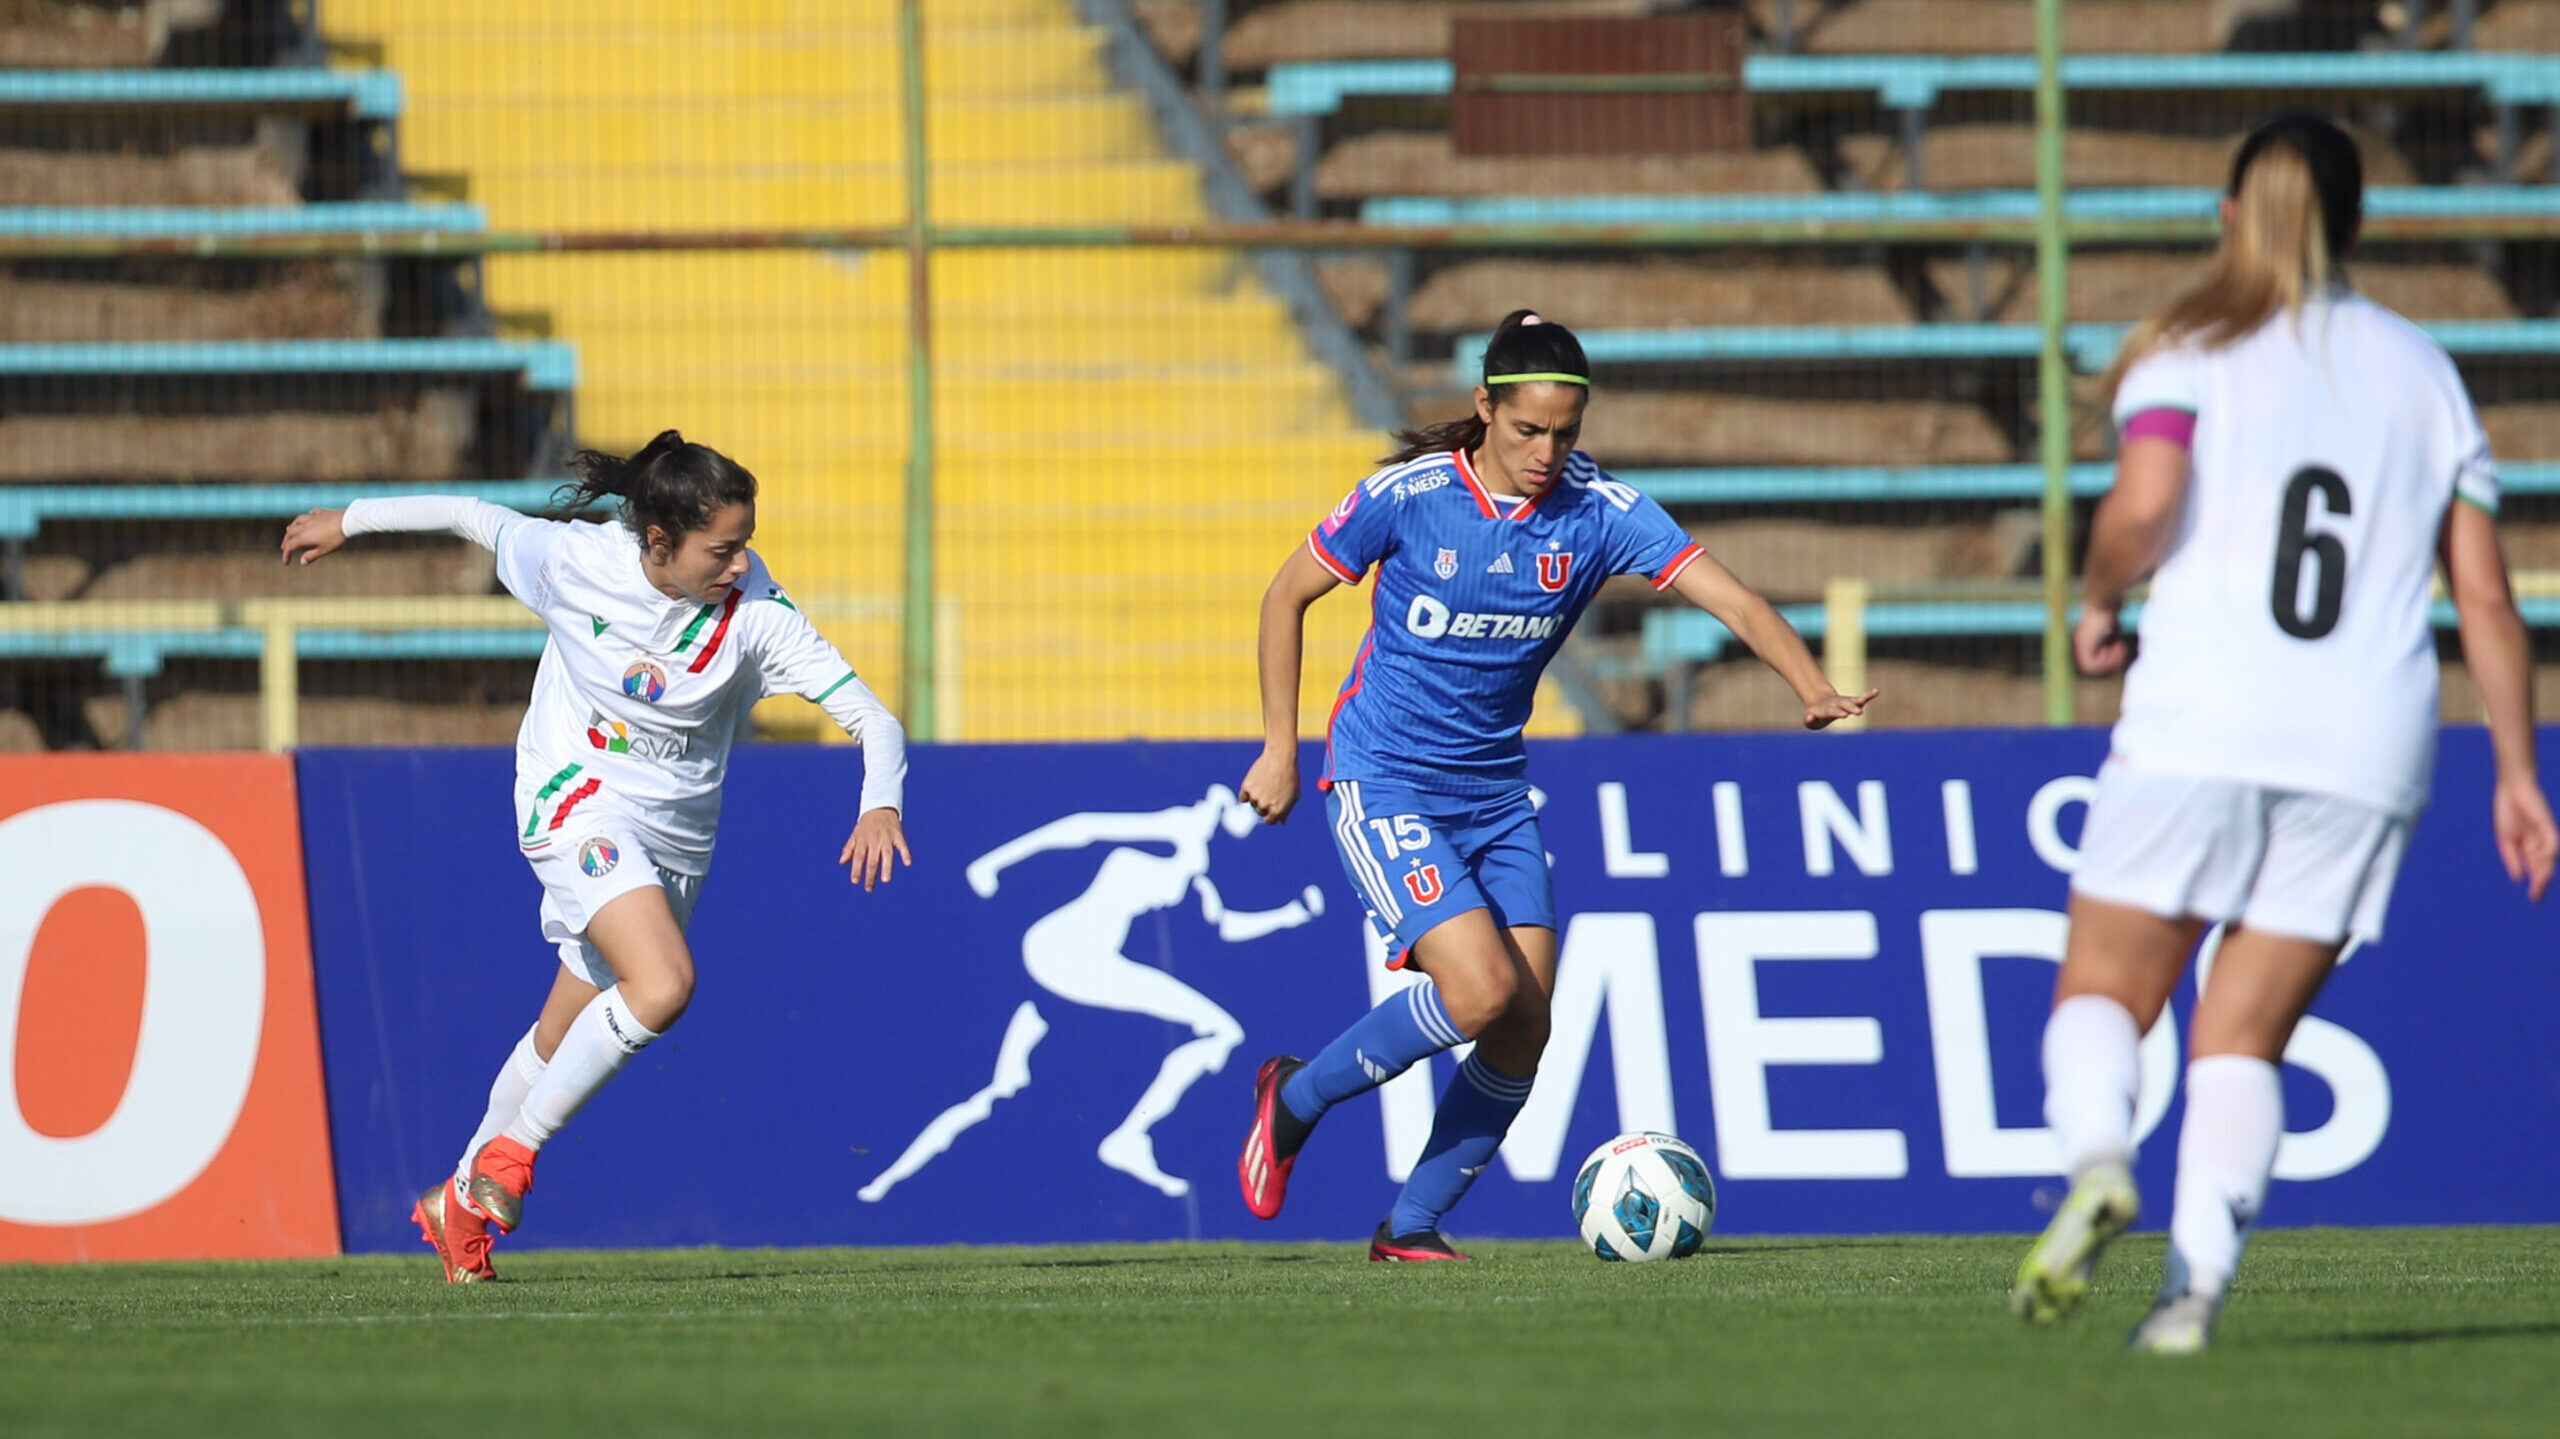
(1644, 1196)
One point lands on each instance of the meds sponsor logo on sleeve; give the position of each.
(159, 1047)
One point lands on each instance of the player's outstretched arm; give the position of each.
(1271, 785)
(2127, 540)
(2500, 655)
(1757, 623)
(320, 532)
(310, 536)
(878, 839)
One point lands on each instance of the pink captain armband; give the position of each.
(2161, 422)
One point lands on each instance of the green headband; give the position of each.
(1557, 377)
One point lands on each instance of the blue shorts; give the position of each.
(1418, 859)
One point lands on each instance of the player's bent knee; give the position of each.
(1479, 997)
(659, 993)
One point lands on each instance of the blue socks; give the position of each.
(1378, 1046)
(1474, 1115)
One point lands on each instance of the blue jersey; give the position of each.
(1473, 597)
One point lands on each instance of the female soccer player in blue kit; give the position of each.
(1490, 534)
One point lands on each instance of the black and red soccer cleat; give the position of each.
(1423, 1248)
(1271, 1149)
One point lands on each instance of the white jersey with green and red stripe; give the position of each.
(2287, 640)
(639, 696)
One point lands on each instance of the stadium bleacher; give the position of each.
(159, 409)
(1127, 440)
(1820, 412)
(1120, 434)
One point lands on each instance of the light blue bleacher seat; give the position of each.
(1686, 636)
(1906, 82)
(1910, 82)
(140, 654)
(2092, 346)
(25, 509)
(1868, 484)
(364, 94)
(1916, 207)
(545, 364)
(179, 222)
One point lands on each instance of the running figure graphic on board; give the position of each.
(1076, 953)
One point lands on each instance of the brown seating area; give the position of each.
(2003, 157)
(1405, 162)
(142, 438)
(1996, 27)
(1664, 415)
(2125, 285)
(1712, 289)
(69, 35)
(297, 300)
(213, 719)
(423, 437)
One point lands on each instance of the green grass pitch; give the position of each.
(2334, 1333)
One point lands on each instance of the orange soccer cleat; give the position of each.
(501, 1176)
(460, 1237)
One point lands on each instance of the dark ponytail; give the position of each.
(670, 486)
(1522, 345)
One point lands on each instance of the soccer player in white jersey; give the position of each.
(664, 629)
(2296, 461)
(1489, 534)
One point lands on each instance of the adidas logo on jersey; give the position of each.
(1501, 564)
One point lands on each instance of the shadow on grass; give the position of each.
(1160, 1261)
(2543, 1329)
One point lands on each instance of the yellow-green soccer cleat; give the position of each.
(2179, 1325)
(2055, 1274)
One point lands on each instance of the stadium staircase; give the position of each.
(1128, 441)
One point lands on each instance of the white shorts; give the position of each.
(588, 864)
(2312, 866)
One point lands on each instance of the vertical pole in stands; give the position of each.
(916, 614)
(279, 685)
(2053, 372)
(1844, 641)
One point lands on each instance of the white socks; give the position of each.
(2226, 1151)
(2092, 1074)
(600, 1040)
(506, 1100)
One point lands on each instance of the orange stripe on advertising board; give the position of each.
(160, 1088)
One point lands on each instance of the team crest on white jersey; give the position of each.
(1501, 564)
(1446, 567)
(1554, 568)
(644, 682)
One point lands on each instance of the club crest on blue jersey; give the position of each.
(1423, 883)
(597, 857)
(644, 682)
(1554, 568)
(1446, 567)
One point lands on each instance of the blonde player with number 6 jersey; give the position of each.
(664, 629)
(2296, 462)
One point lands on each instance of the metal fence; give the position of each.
(1031, 449)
